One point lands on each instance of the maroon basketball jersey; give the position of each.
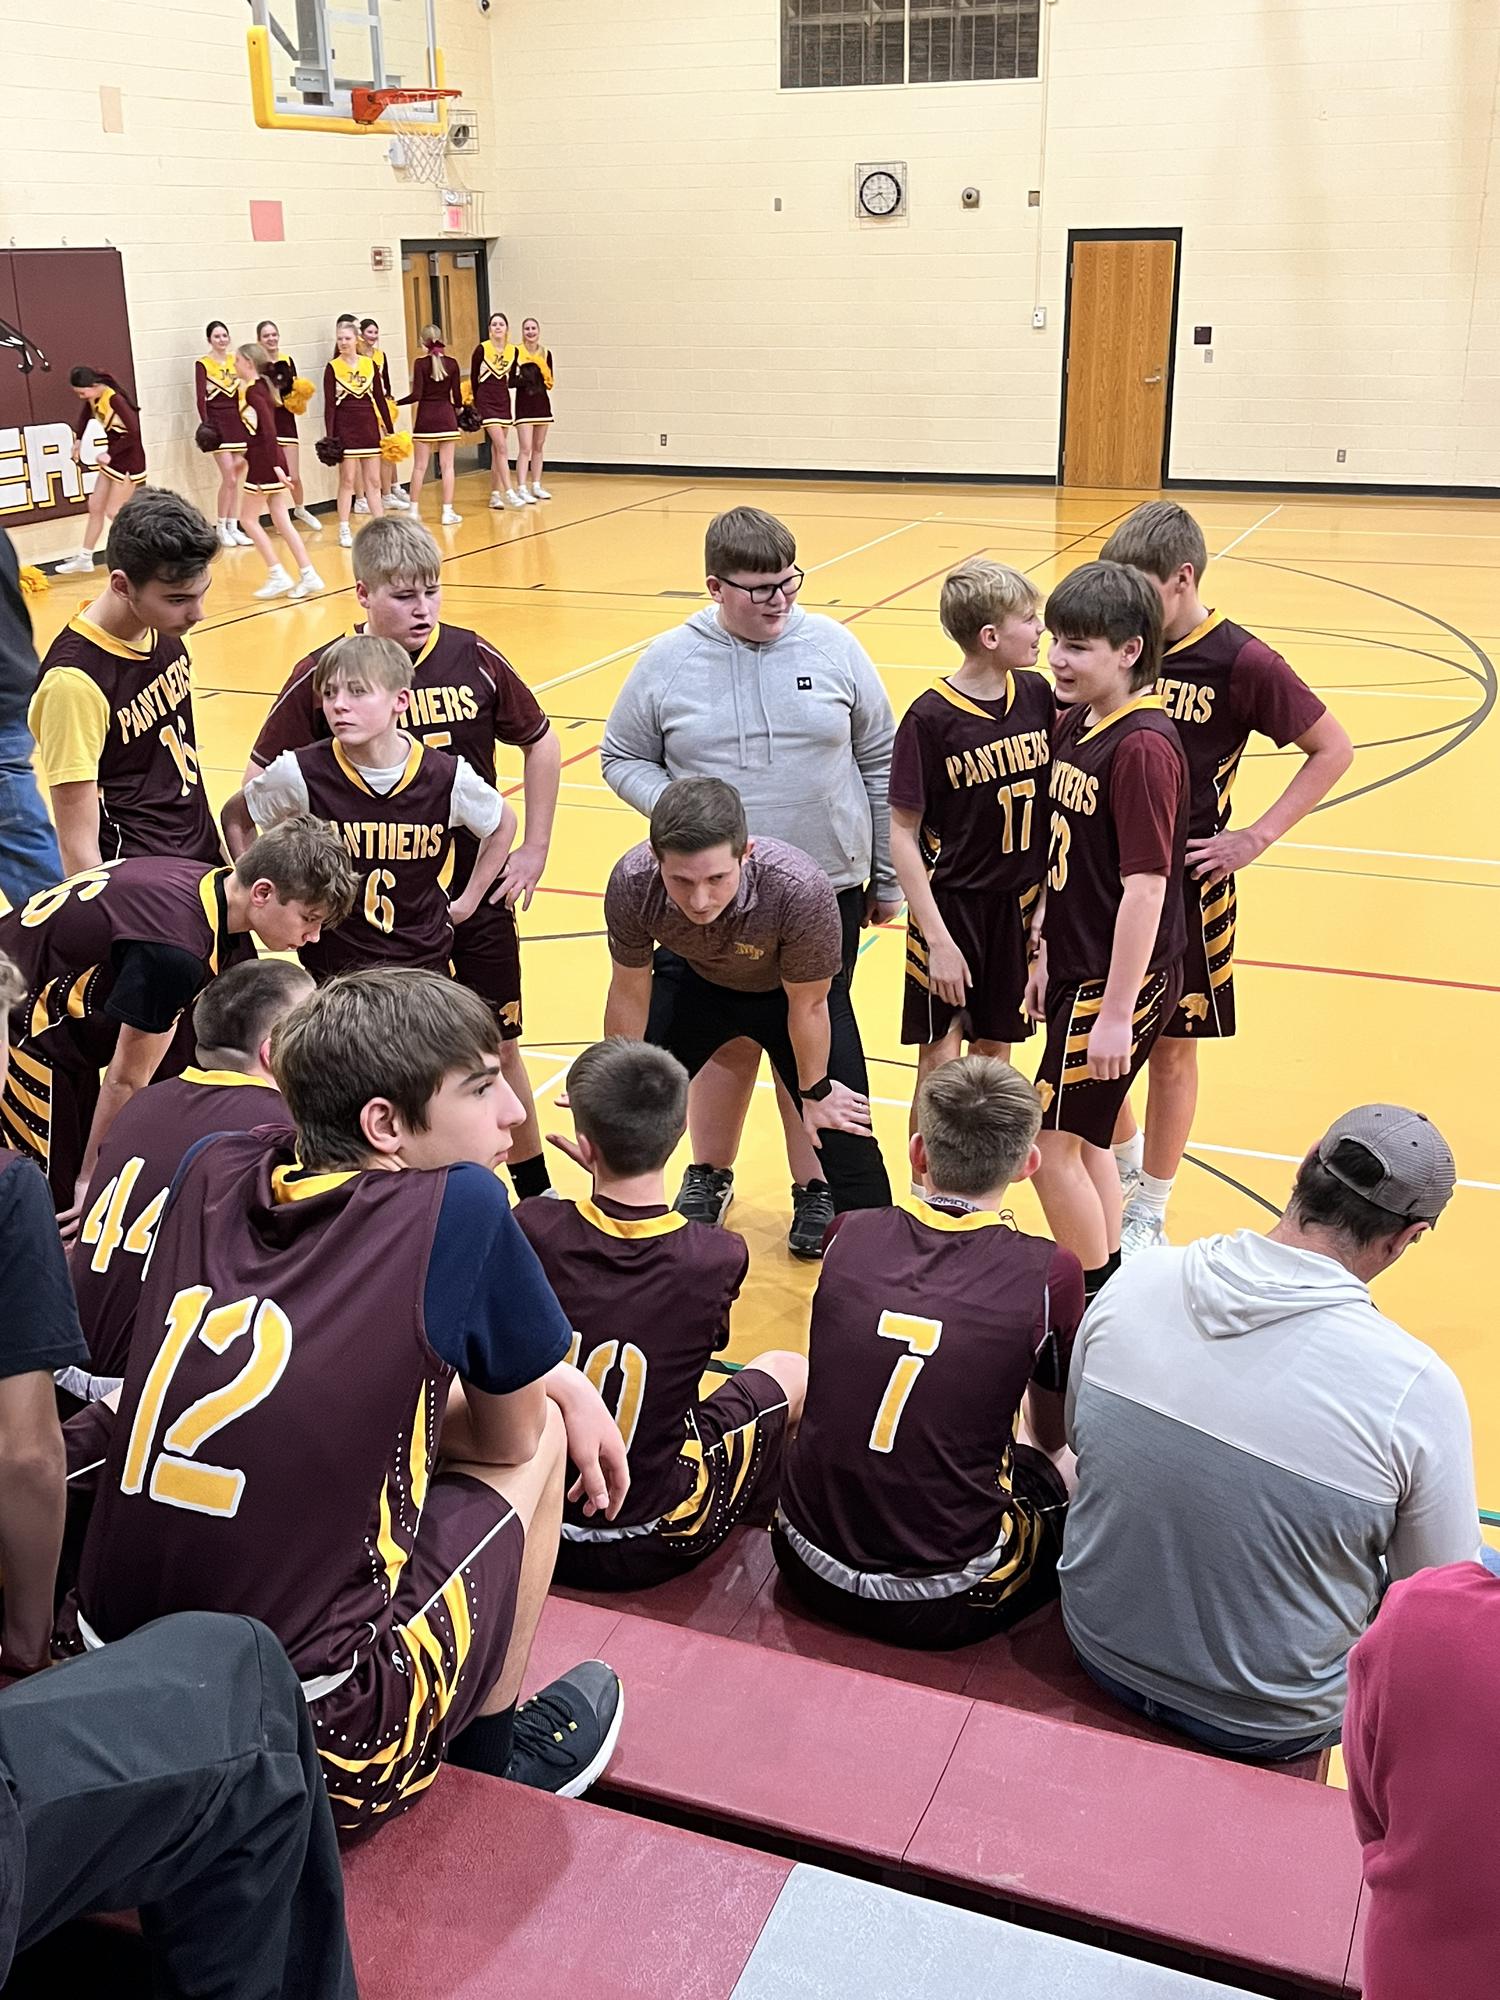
(401, 845)
(927, 1326)
(272, 1298)
(466, 698)
(67, 942)
(649, 1295)
(151, 797)
(1221, 685)
(977, 773)
(1118, 805)
(141, 1153)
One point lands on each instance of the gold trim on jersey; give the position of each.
(1211, 622)
(351, 770)
(224, 1077)
(216, 908)
(299, 1183)
(492, 361)
(223, 376)
(1150, 699)
(637, 1229)
(106, 641)
(962, 701)
(944, 1219)
(432, 638)
(354, 378)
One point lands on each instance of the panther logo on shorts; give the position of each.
(1195, 1006)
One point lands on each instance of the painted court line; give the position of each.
(1392, 854)
(1249, 532)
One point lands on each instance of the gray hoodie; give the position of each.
(801, 728)
(1258, 1448)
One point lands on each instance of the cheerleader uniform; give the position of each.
(489, 379)
(218, 386)
(351, 400)
(438, 400)
(284, 374)
(121, 422)
(377, 359)
(533, 402)
(263, 458)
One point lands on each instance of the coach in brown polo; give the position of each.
(750, 945)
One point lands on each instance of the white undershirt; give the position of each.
(281, 790)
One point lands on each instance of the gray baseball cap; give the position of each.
(1418, 1173)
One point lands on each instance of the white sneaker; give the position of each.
(515, 499)
(308, 520)
(497, 500)
(1130, 1182)
(450, 519)
(1142, 1229)
(398, 503)
(277, 584)
(226, 540)
(238, 538)
(361, 505)
(306, 583)
(526, 498)
(539, 492)
(78, 565)
(346, 539)
(399, 494)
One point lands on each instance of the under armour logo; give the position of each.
(804, 684)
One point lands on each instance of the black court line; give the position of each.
(1374, 875)
(1192, 1160)
(558, 937)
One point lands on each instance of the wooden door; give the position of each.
(1119, 361)
(416, 300)
(455, 280)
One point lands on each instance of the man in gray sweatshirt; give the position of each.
(1260, 1451)
(786, 707)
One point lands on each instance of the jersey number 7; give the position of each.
(921, 1337)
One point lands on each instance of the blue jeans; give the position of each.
(29, 859)
(1228, 1742)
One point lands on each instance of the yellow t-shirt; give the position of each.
(69, 717)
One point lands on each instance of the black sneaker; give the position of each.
(812, 1211)
(705, 1194)
(566, 1734)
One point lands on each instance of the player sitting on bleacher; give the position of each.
(649, 1295)
(909, 1511)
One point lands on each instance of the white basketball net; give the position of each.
(421, 156)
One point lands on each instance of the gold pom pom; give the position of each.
(298, 396)
(467, 391)
(34, 582)
(395, 447)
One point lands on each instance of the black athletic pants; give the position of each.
(174, 1773)
(694, 1018)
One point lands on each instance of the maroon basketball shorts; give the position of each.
(732, 1451)
(1022, 1581)
(1205, 1012)
(383, 1732)
(1072, 1100)
(487, 959)
(990, 931)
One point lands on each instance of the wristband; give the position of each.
(818, 1091)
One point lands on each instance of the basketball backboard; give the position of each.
(308, 58)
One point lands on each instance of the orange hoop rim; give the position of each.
(369, 104)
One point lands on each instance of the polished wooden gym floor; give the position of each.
(1370, 962)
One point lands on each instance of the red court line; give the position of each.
(1260, 964)
(576, 758)
(941, 570)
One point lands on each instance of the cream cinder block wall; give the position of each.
(1331, 163)
(172, 193)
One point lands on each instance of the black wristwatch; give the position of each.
(818, 1091)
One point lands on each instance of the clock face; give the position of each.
(880, 193)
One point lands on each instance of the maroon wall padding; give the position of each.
(67, 307)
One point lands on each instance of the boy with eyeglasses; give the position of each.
(784, 705)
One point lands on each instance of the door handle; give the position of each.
(1150, 381)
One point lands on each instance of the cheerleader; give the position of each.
(218, 390)
(354, 417)
(392, 491)
(122, 463)
(282, 374)
(489, 384)
(531, 374)
(267, 481)
(437, 396)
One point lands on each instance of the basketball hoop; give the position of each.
(422, 156)
(369, 105)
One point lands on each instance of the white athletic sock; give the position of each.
(1130, 1152)
(1154, 1194)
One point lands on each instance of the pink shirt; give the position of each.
(1422, 1746)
